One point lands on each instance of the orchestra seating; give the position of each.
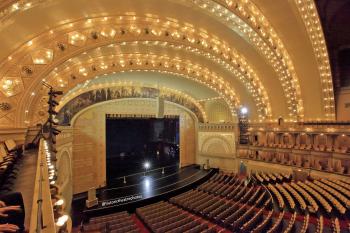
(114, 223)
(165, 217)
(261, 202)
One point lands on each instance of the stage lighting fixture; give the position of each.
(244, 110)
(52, 103)
(52, 121)
(55, 131)
(147, 183)
(53, 150)
(55, 93)
(147, 165)
(52, 112)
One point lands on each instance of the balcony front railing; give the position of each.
(45, 215)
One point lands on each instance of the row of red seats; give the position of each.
(331, 196)
(165, 217)
(244, 205)
(236, 212)
(114, 223)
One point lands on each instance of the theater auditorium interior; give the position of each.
(174, 116)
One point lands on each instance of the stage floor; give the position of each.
(152, 186)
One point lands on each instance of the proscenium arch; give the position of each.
(252, 86)
(134, 106)
(157, 69)
(76, 116)
(130, 92)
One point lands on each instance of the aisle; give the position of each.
(25, 180)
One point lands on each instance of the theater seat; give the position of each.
(13, 148)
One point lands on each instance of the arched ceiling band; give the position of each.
(245, 18)
(151, 29)
(263, 108)
(235, 60)
(308, 12)
(139, 62)
(246, 14)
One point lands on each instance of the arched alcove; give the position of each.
(64, 178)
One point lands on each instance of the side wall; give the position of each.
(64, 165)
(343, 105)
(217, 145)
(17, 134)
(89, 140)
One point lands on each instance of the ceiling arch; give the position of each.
(201, 44)
(243, 38)
(140, 62)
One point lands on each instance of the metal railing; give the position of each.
(146, 171)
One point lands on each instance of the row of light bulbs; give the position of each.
(62, 218)
(263, 36)
(298, 131)
(14, 8)
(257, 92)
(308, 11)
(250, 87)
(148, 62)
(253, 87)
(241, 9)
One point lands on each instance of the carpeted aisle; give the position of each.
(139, 224)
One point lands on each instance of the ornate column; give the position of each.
(277, 138)
(332, 140)
(312, 139)
(294, 139)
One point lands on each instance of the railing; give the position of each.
(217, 127)
(321, 161)
(42, 216)
(47, 215)
(337, 128)
(126, 178)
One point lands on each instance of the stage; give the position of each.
(145, 188)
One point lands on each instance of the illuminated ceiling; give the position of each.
(265, 54)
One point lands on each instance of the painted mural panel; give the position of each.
(91, 97)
